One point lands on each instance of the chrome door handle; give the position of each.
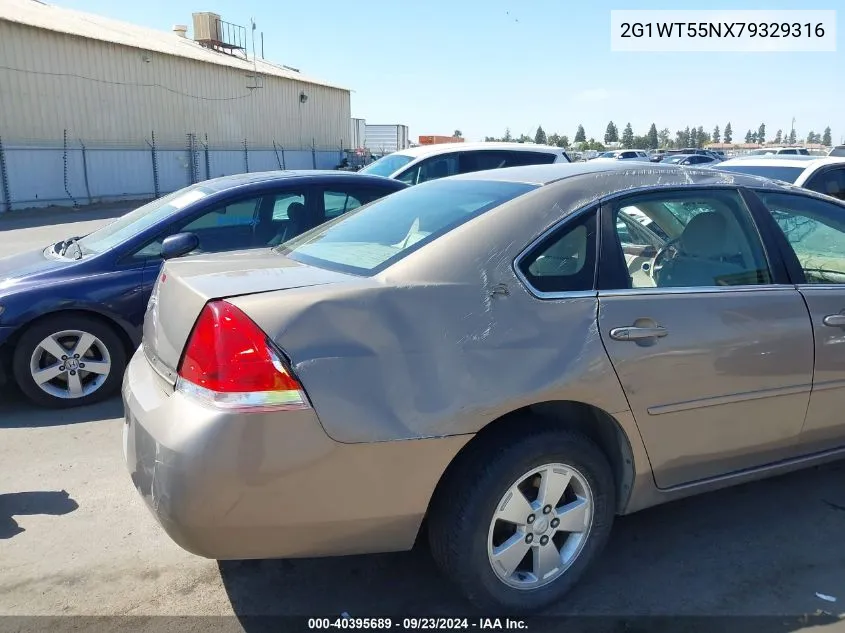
(834, 320)
(635, 333)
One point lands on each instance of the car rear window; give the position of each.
(367, 240)
(786, 174)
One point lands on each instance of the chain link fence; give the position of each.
(72, 172)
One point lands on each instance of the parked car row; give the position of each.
(825, 175)
(688, 156)
(507, 358)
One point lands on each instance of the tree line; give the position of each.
(691, 136)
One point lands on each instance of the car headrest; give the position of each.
(705, 235)
(296, 212)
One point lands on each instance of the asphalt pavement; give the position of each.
(75, 539)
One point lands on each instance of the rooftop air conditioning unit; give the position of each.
(207, 27)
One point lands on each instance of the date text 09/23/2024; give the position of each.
(411, 624)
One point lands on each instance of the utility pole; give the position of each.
(793, 127)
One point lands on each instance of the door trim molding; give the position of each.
(693, 290)
(829, 385)
(730, 399)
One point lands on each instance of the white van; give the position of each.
(429, 162)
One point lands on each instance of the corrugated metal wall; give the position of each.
(383, 139)
(109, 101)
(125, 97)
(359, 134)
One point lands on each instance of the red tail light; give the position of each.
(230, 363)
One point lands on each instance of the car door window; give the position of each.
(816, 231)
(222, 228)
(282, 205)
(566, 260)
(830, 182)
(704, 239)
(343, 199)
(289, 217)
(438, 167)
(482, 160)
(242, 213)
(431, 169)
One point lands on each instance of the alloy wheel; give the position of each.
(540, 526)
(70, 364)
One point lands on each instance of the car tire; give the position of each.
(465, 539)
(40, 349)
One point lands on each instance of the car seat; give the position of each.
(702, 251)
(297, 224)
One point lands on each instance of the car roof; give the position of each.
(630, 174)
(442, 148)
(775, 160)
(317, 175)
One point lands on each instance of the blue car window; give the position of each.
(128, 226)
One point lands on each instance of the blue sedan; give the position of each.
(72, 313)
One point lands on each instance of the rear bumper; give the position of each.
(271, 485)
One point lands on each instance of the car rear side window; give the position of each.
(367, 240)
(518, 159)
(816, 232)
(565, 261)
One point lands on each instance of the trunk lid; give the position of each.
(185, 285)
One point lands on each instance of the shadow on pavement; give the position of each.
(363, 586)
(16, 412)
(753, 556)
(13, 504)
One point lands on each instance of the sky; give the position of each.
(482, 67)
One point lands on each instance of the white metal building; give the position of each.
(106, 80)
(93, 109)
(384, 139)
(379, 139)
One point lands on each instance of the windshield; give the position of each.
(375, 236)
(142, 218)
(387, 165)
(786, 174)
(674, 159)
(607, 155)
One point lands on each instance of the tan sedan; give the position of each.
(518, 355)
